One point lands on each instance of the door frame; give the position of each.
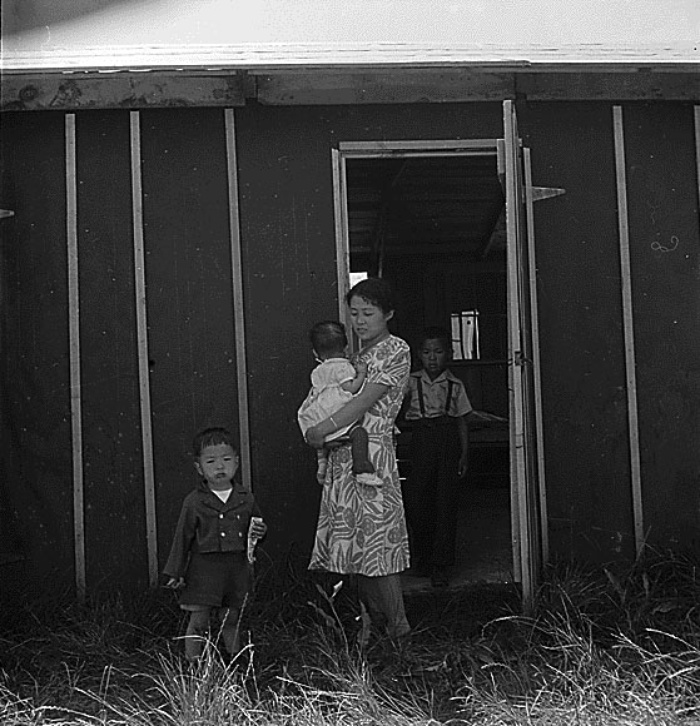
(381, 150)
(438, 148)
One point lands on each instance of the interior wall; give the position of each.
(436, 287)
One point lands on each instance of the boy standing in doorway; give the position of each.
(437, 406)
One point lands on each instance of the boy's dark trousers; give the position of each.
(431, 492)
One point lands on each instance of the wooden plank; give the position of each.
(518, 472)
(697, 147)
(342, 241)
(374, 149)
(41, 92)
(608, 86)
(628, 328)
(74, 358)
(536, 362)
(142, 346)
(28, 91)
(238, 300)
(473, 85)
(397, 87)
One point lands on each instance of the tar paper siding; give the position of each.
(289, 281)
(286, 215)
(581, 342)
(665, 256)
(112, 454)
(191, 332)
(290, 278)
(583, 370)
(35, 486)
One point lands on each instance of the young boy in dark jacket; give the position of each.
(209, 559)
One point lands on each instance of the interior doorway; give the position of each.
(431, 220)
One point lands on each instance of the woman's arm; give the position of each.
(358, 381)
(348, 414)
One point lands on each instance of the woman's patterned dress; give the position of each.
(362, 529)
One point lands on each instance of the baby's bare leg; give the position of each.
(359, 445)
(362, 467)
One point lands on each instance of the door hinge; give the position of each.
(539, 193)
(519, 359)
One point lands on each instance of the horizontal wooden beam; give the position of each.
(158, 89)
(462, 85)
(75, 91)
(416, 247)
(638, 86)
(395, 87)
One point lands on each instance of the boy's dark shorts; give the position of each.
(216, 579)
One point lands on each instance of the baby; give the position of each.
(333, 383)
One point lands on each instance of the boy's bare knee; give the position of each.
(199, 622)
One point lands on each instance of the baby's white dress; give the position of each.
(326, 396)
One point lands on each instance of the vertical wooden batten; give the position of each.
(537, 380)
(237, 285)
(74, 357)
(628, 328)
(142, 347)
(521, 533)
(342, 242)
(697, 148)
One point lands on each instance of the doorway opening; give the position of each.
(431, 220)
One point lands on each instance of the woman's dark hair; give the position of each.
(376, 291)
(328, 337)
(213, 437)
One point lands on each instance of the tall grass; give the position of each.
(602, 647)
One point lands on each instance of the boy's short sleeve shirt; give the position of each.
(435, 396)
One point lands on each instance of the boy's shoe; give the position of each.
(369, 480)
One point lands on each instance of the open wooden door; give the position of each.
(525, 456)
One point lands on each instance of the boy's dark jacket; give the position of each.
(207, 524)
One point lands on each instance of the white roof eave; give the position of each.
(348, 57)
